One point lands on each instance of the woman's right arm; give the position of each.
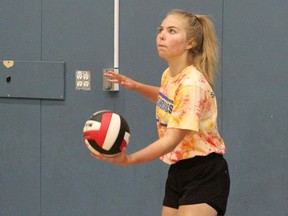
(147, 91)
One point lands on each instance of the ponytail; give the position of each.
(207, 59)
(205, 53)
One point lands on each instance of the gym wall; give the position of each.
(45, 168)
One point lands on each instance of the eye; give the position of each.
(172, 31)
(159, 30)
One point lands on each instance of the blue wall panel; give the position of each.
(20, 25)
(81, 34)
(20, 157)
(20, 165)
(255, 105)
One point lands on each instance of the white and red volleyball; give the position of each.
(106, 132)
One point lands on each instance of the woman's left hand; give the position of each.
(121, 159)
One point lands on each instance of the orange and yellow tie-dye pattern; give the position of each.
(187, 101)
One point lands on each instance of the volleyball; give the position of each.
(106, 132)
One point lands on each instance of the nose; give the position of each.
(161, 35)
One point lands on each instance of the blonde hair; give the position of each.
(200, 28)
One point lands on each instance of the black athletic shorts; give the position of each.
(202, 179)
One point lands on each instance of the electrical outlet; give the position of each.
(109, 86)
(83, 80)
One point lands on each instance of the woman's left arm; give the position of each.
(153, 151)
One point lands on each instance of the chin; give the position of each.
(162, 55)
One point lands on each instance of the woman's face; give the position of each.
(172, 38)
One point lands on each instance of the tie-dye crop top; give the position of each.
(187, 101)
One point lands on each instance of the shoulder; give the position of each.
(190, 76)
(165, 76)
(165, 73)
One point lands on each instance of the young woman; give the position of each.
(186, 111)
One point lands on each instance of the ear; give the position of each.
(191, 44)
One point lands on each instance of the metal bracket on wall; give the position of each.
(109, 86)
(32, 79)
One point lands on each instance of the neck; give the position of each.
(177, 65)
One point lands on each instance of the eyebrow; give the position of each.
(169, 27)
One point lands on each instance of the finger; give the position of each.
(113, 80)
(114, 77)
(108, 75)
(98, 156)
(112, 73)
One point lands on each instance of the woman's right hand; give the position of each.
(122, 80)
(147, 91)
